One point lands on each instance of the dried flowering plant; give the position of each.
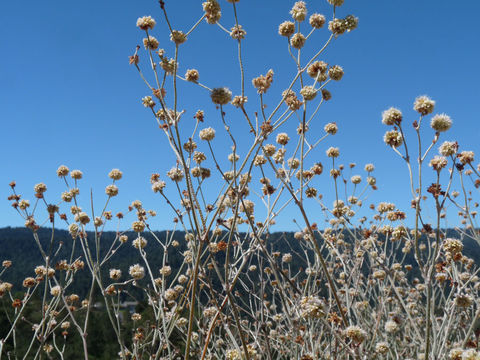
(350, 290)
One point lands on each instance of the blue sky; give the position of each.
(68, 95)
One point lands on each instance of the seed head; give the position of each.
(286, 28)
(317, 21)
(308, 93)
(146, 23)
(392, 116)
(115, 174)
(150, 43)
(221, 96)
(207, 134)
(441, 122)
(393, 138)
(424, 105)
(299, 11)
(62, 171)
(298, 40)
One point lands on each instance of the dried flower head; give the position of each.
(263, 82)
(286, 28)
(207, 134)
(335, 72)
(212, 11)
(336, 2)
(333, 152)
(299, 11)
(331, 128)
(178, 37)
(221, 96)
(438, 163)
(150, 43)
(111, 190)
(424, 105)
(76, 174)
(283, 138)
(298, 40)
(237, 32)
(317, 21)
(393, 138)
(448, 148)
(136, 271)
(175, 174)
(466, 157)
(115, 174)
(441, 122)
(146, 23)
(392, 116)
(158, 186)
(62, 171)
(355, 333)
(192, 75)
(308, 93)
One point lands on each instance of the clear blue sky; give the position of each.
(68, 95)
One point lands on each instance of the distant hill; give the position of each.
(18, 245)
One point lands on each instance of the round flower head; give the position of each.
(138, 226)
(393, 138)
(298, 40)
(111, 190)
(40, 188)
(470, 354)
(448, 148)
(333, 152)
(299, 11)
(355, 333)
(207, 134)
(212, 11)
(350, 22)
(286, 28)
(316, 69)
(136, 271)
(55, 291)
(391, 327)
(76, 174)
(331, 128)
(158, 186)
(147, 101)
(466, 157)
(441, 122)
(62, 171)
(283, 138)
(337, 26)
(178, 37)
(175, 174)
(146, 23)
(438, 163)
(150, 43)
(424, 105)
(392, 116)
(335, 72)
(336, 2)
(115, 274)
(237, 32)
(382, 347)
(139, 243)
(356, 179)
(192, 75)
(221, 96)
(308, 93)
(82, 218)
(317, 21)
(115, 174)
